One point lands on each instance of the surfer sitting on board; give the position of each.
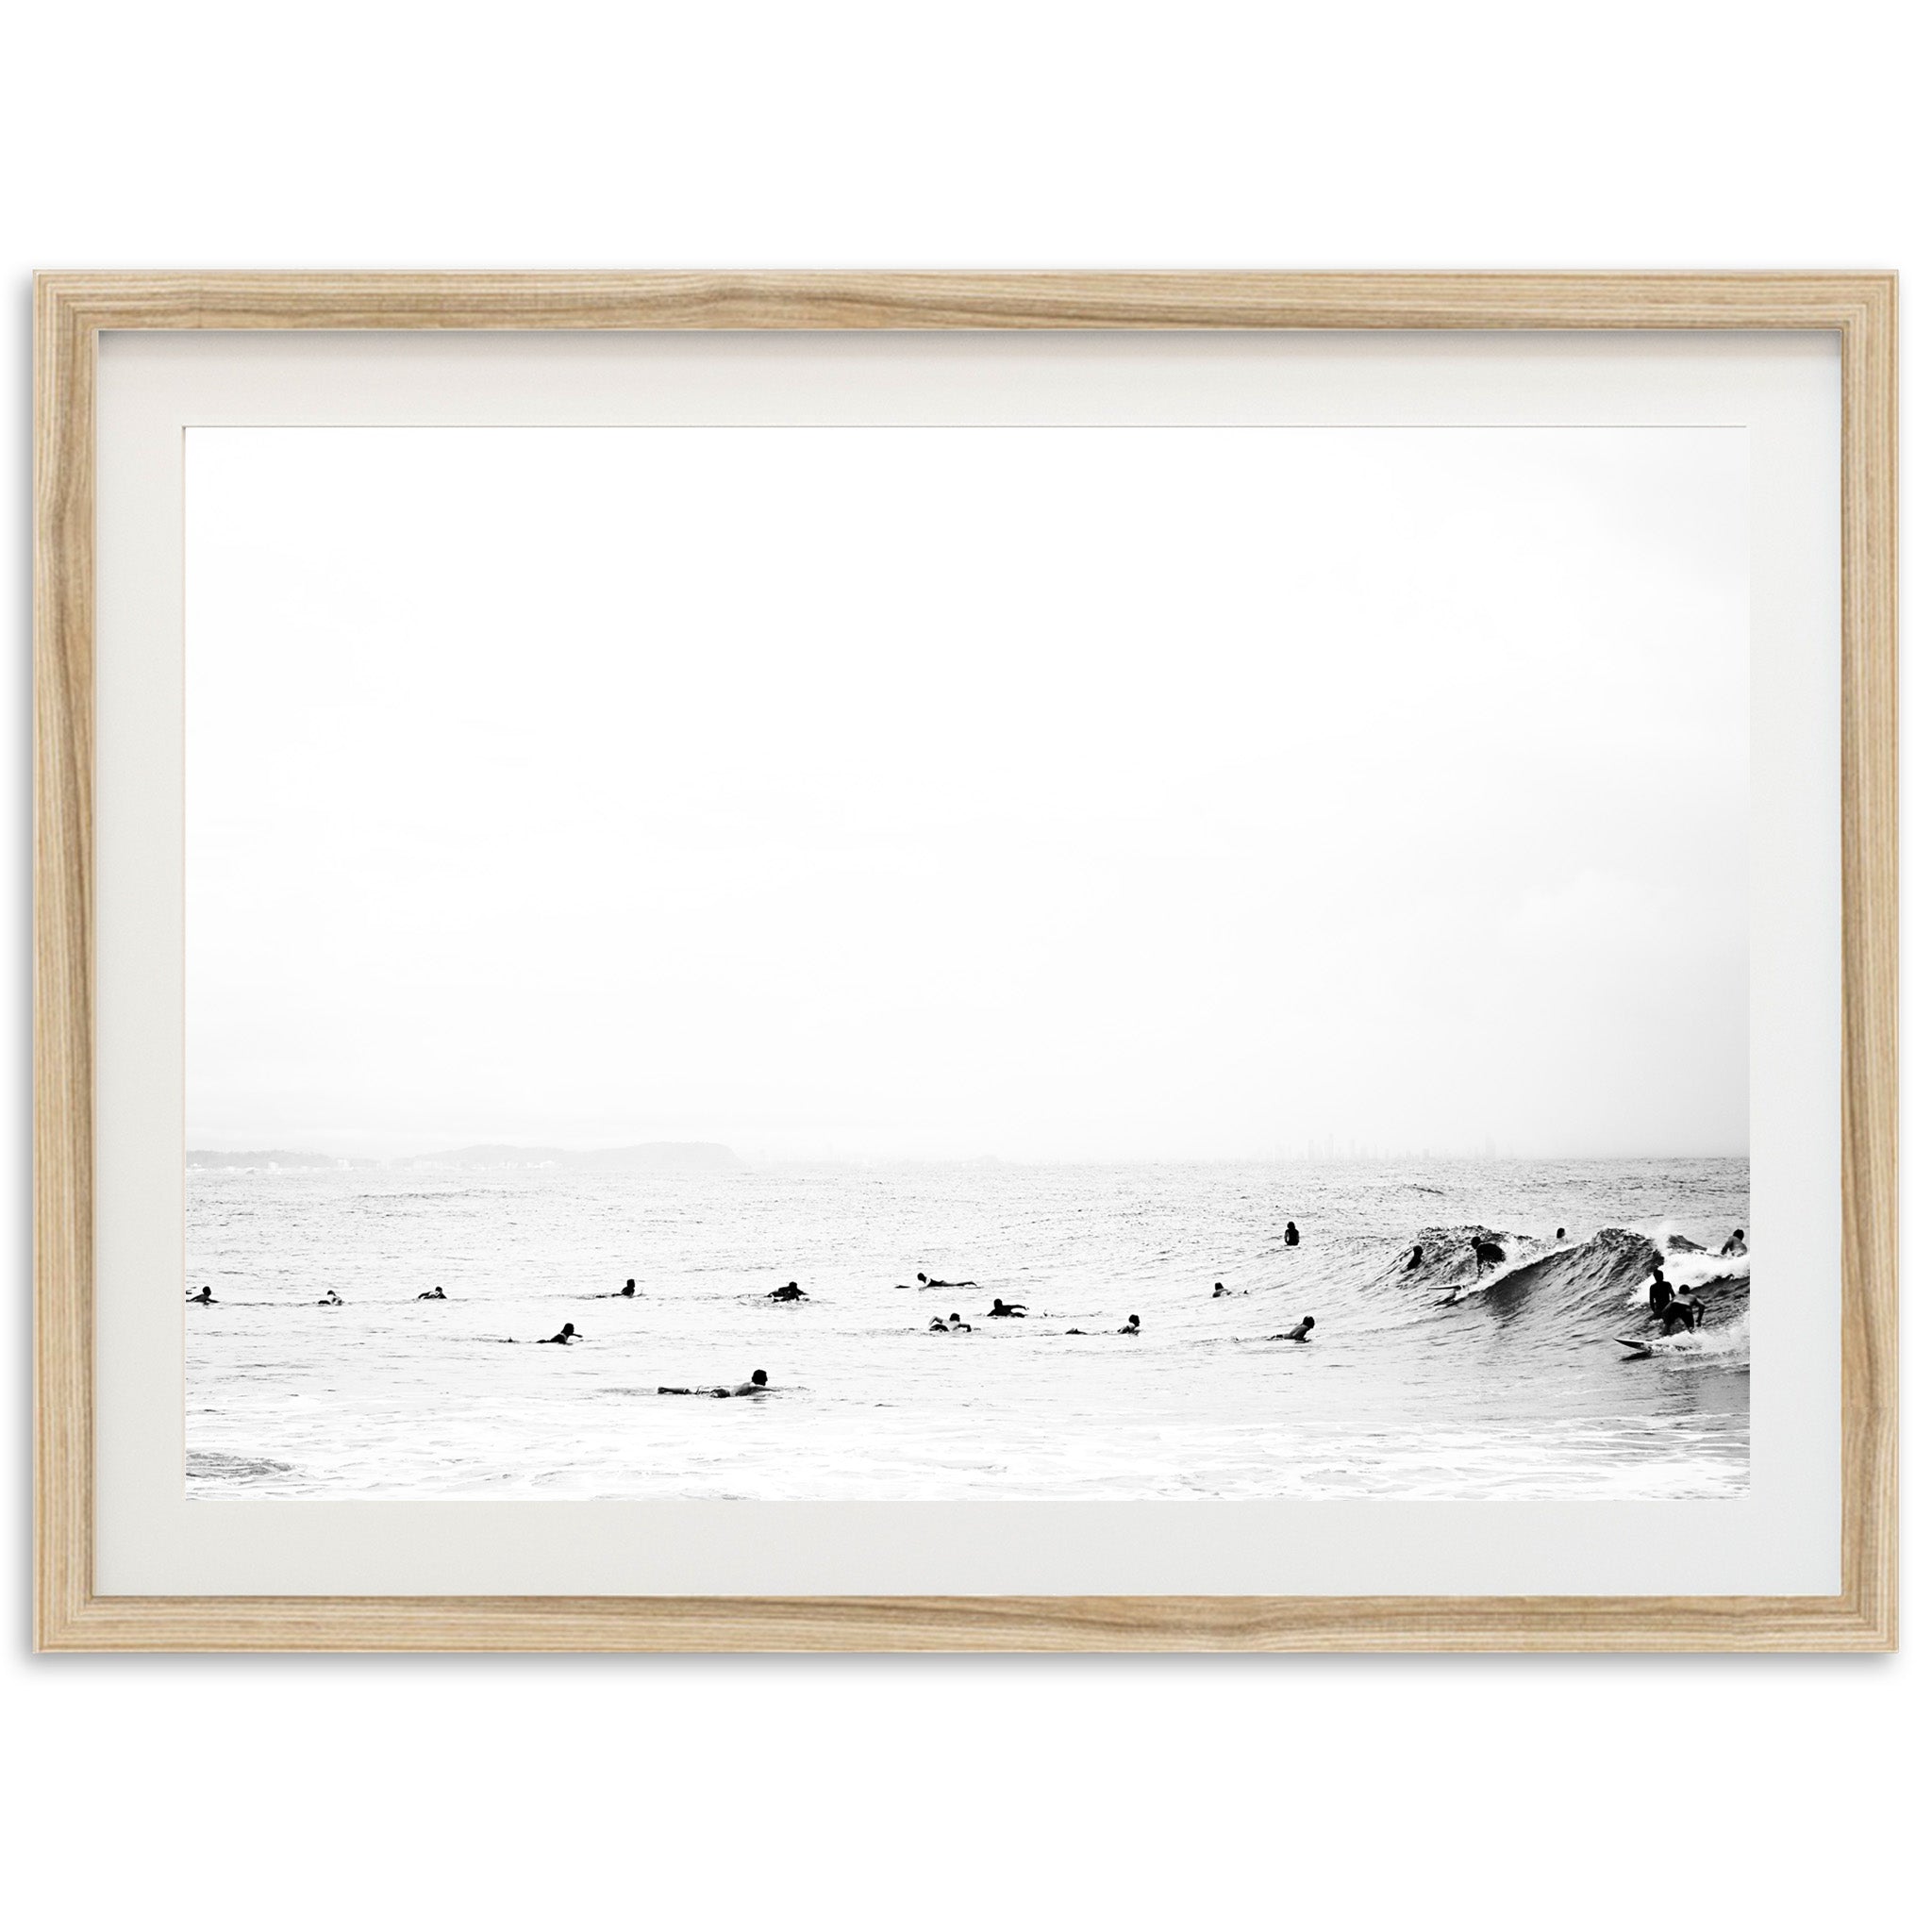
(1291, 1236)
(1219, 1292)
(1133, 1327)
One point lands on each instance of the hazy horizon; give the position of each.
(1043, 795)
(1303, 1156)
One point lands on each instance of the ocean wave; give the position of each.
(1573, 1289)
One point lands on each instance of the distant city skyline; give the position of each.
(1046, 794)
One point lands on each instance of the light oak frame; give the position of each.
(71, 310)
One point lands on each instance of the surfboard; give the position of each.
(1639, 1350)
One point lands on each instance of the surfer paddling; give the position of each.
(1735, 1245)
(789, 1292)
(758, 1385)
(204, 1299)
(1000, 1307)
(1300, 1332)
(935, 1282)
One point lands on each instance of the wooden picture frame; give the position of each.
(71, 311)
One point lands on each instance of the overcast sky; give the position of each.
(1048, 793)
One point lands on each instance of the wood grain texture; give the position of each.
(819, 301)
(958, 1623)
(63, 963)
(1869, 834)
(71, 310)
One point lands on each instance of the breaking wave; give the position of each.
(1578, 1290)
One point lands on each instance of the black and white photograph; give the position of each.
(968, 963)
(922, 913)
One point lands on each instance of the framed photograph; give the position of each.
(966, 963)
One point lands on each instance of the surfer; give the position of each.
(935, 1326)
(1298, 1333)
(1000, 1307)
(936, 1282)
(1133, 1327)
(206, 1299)
(628, 1292)
(758, 1385)
(1684, 1311)
(1415, 1258)
(789, 1292)
(1561, 1232)
(1736, 1244)
(1291, 1236)
(331, 1300)
(1660, 1291)
(1487, 1254)
(432, 1294)
(564, 1335)
(1219, 1292)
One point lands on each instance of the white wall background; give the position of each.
(395, 134)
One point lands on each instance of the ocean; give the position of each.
(1515, 1390)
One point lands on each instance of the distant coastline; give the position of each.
(643, 1156)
